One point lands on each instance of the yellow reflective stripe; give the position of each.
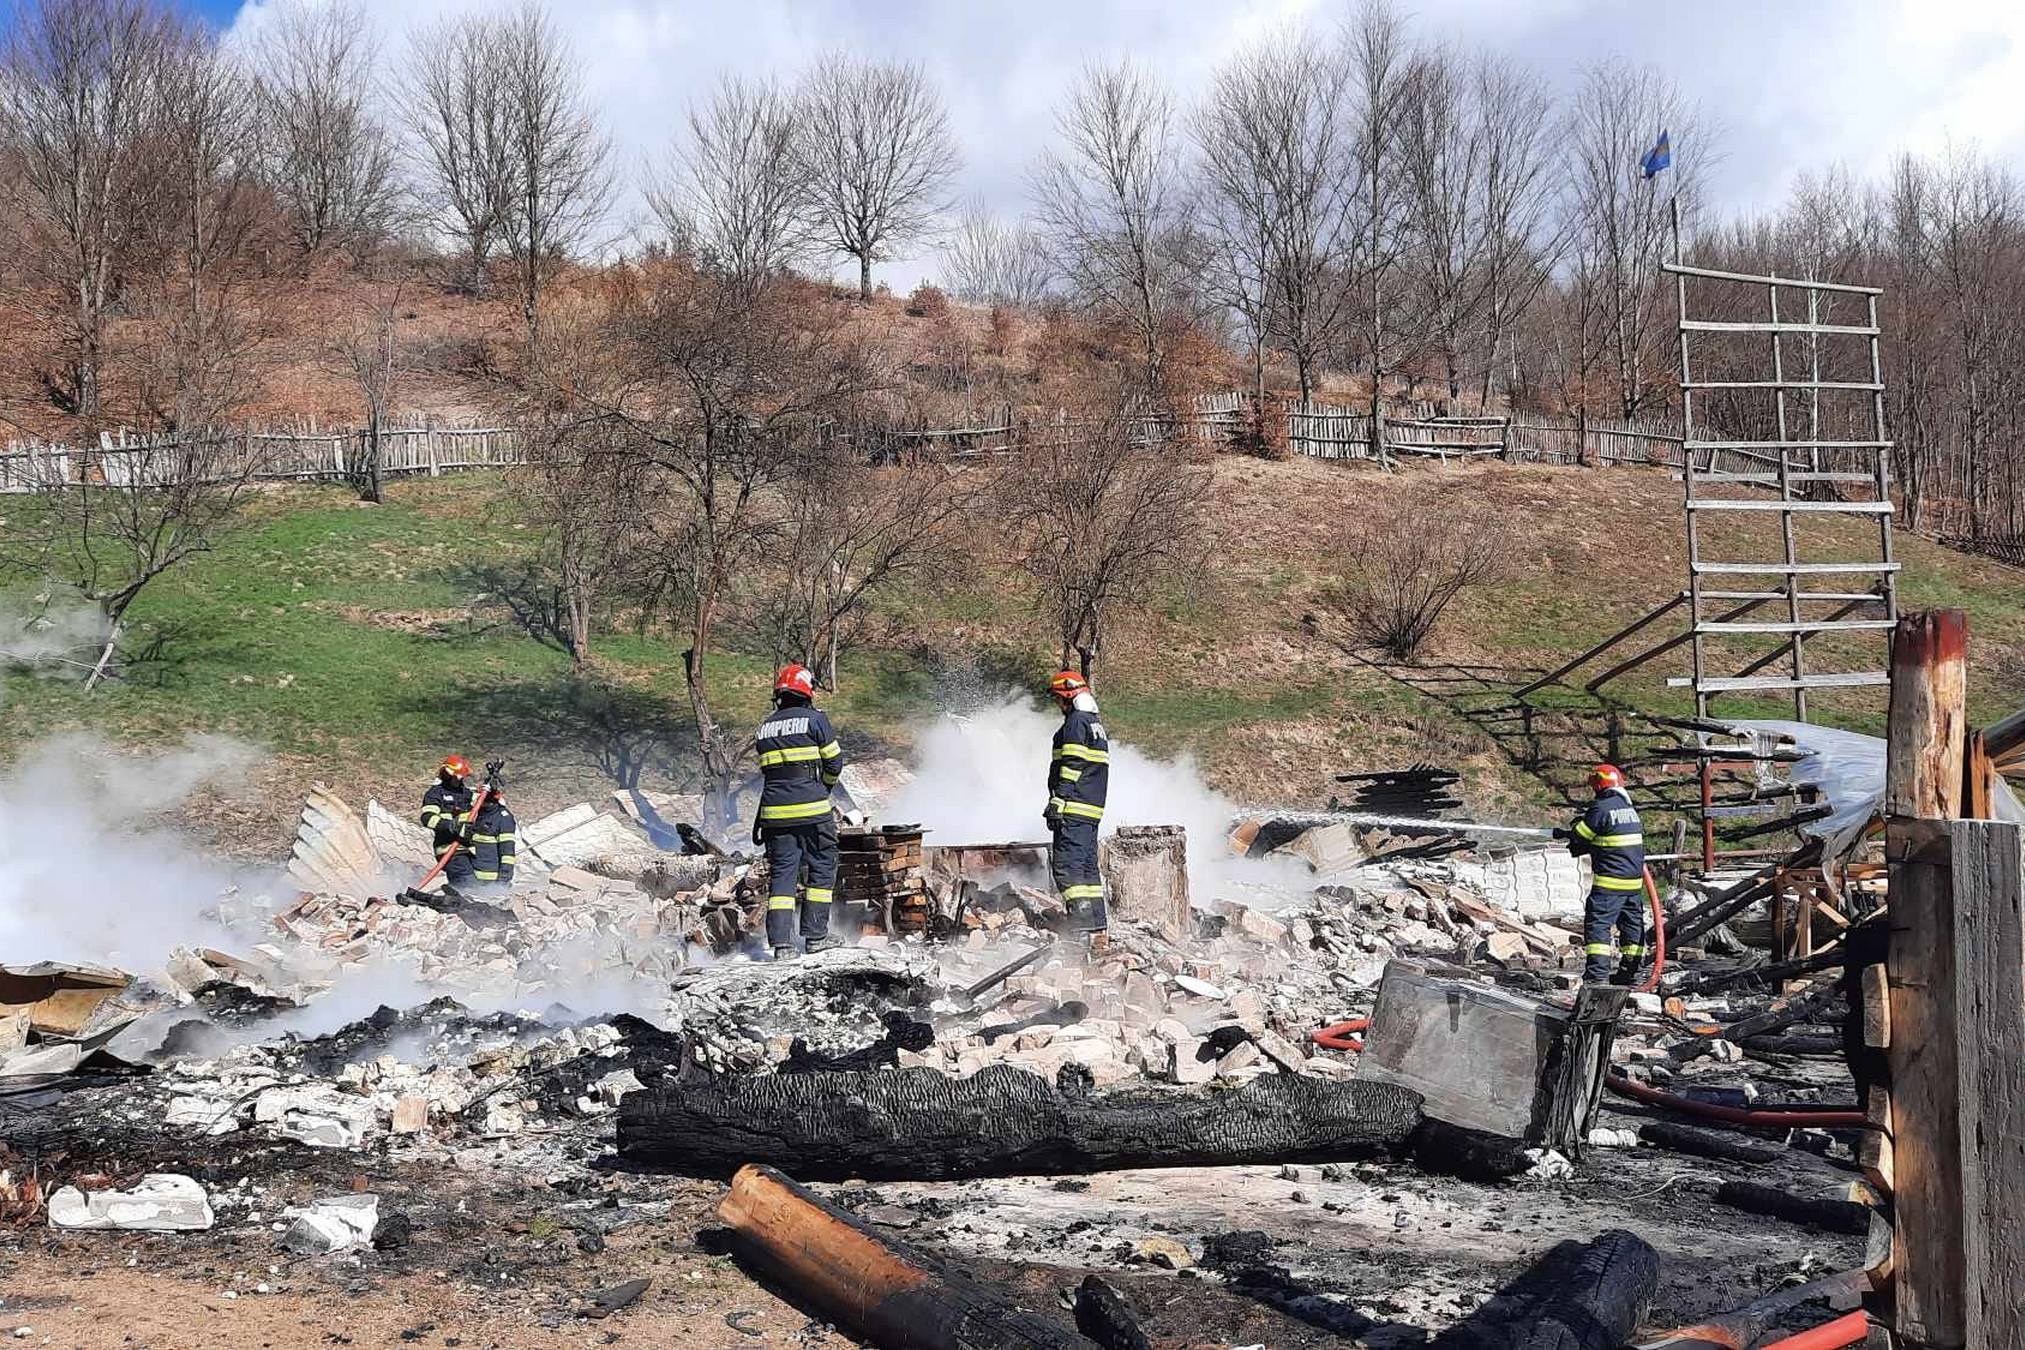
(819, 895)
(796, 811)
(1598, 949)
(793, 754)
(1070, 775)
(431, 814)
(1082, 892)
(1632, 949)
(832, 750)
(1582, 828)
(1083, 809)
(486, 876)
(1071, 750)
(1617, 883)
(780, 902)
(1619, 840)
(484, 838)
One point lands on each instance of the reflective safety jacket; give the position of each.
(494, 843)
(1079, 773)
(799, 758)
(444, 808)
(1610, 835)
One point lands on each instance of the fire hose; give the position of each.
(1826, 1119)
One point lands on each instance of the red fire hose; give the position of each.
(1658, 935)
(1338, 1037)
(1826, 1120)
(1847, 1330)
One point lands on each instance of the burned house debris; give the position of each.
(1346, 1043)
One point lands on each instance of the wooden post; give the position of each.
(1989, 937)
(1924, 743)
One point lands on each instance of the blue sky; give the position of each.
(1795, 84)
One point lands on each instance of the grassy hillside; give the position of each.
(356, 644)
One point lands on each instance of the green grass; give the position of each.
(359, 643)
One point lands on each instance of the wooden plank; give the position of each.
(1924, 743)
(1805, 626)
(1979, 780)
(1723, 684)
(1681, 269)
(1757, 504)
(1791, 569)
(1989, 941)
(1876, 1008)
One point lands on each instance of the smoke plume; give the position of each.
(981, 777)
(84, 874)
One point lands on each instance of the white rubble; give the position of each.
(333, 1225)
(161, 1202)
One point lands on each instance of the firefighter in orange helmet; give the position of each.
(799, 760)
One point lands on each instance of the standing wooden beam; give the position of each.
(1989, 876)
(1923, 787)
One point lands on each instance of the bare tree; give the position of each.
(875, 149)
(1110, 203)
(196, 373)
(367, 348)
(588, 486)
(133, 515)
(848, 530)
(1618, 218)
(456, 103)
(1407, 560)
(560, 157)
(1473, 154)
(1376, 55)
(717, 384)
(735, 191)
(1103, 513)
(986, 260)
(82, 99)
(1281, 187)
(328, 159)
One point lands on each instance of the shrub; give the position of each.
(1409, 557)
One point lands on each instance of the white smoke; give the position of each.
(981, 778)
(56, 634)
(85, 874)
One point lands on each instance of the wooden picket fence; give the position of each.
(276, 454)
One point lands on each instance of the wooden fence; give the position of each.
(281, 455)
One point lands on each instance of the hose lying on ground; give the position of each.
(1828, 1118)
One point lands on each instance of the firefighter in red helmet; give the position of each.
(1610, 835)
(799, 760)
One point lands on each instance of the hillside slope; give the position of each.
(354, 645)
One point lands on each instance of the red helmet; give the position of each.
(1067, 684)
(1606, 776)
(795, 679)
(458, 765)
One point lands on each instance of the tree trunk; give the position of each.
(916, 1124)
(865, 275)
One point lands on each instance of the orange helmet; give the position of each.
(458, 765)
(1606, 776)
(795, 679)
(1066, 684)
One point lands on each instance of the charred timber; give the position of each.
(881, 1291)
(916, 1124)
(1579, 1296)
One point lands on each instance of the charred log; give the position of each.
(1834, 1216)
(1104, 1316)
(1579, 1296)
(879, 1290)
(916, 1124)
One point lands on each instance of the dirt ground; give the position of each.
(506, 1247)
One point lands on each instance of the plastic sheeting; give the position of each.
(1848, 768)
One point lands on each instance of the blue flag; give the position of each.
(1657, 158)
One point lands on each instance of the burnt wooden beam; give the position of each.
(1925, 742)
(1579, 1296)
(877, 1289)
(917, 1124)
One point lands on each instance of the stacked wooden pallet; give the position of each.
(881, 869)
